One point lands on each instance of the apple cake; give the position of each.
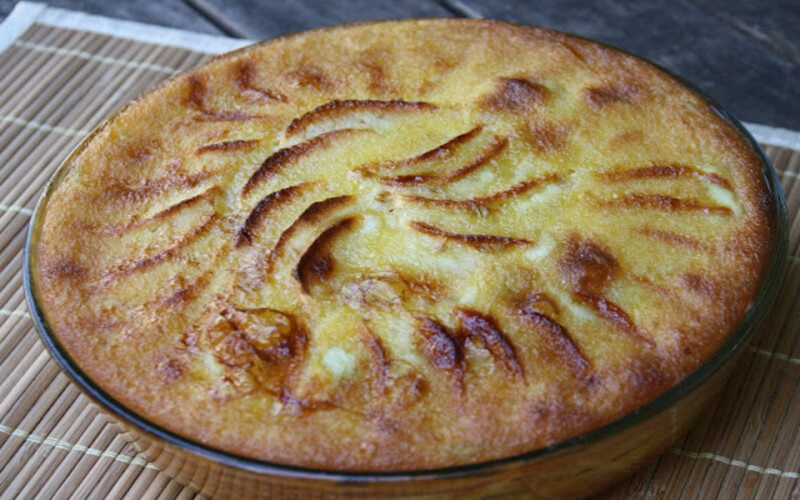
(403, 245)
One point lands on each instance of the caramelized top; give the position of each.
(403, 245)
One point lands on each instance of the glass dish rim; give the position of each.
(749, 323)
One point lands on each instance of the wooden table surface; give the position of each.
(744, 53)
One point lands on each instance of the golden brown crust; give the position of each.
(403, 245)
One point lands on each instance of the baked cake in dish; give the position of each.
(403, 245)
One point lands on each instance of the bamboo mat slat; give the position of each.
(56, 84)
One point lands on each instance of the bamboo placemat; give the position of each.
(62, 72)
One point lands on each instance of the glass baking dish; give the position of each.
(575, 467)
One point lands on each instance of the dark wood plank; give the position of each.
(748, 78)
(264, 19)
(775, 23)
(171, 13)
